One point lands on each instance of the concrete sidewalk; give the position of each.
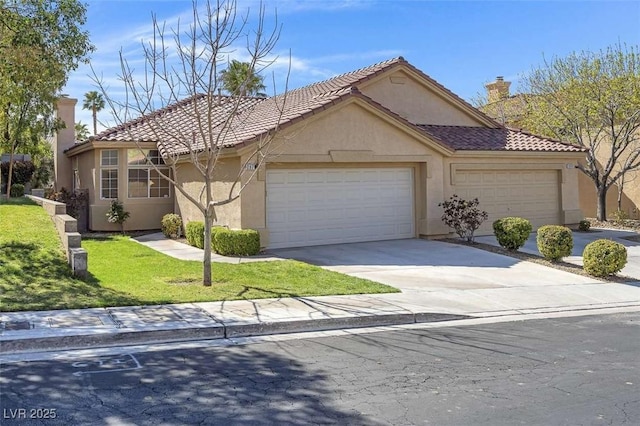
(80, 328)
(485, 286)
(182, 251)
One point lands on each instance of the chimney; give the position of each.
(498, 89)
(62, 140)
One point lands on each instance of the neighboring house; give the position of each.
(366, 155)
(510, 110)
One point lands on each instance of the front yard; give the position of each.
(34, 274)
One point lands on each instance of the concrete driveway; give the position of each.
(581, 239)
(426, 266)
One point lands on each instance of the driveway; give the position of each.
(425, 266)
(581, 239)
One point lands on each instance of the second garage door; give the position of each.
(327, 206)
(532, 194)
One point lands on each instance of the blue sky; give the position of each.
(460, 44)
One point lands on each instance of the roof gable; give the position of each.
(222, 121)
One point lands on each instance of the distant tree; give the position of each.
(241, 79)
(82, 131)
(41, 42)
(591, 100)
(94, 102)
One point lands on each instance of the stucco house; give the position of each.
(509, 109)
(367, 155)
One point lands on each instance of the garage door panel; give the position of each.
(326, 206)
(532, 194)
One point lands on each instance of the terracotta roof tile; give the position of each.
(235, 121)
(465, 138)
(254, 116)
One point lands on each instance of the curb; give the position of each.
(125, 337)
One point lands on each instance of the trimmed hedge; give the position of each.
(604, 257)
(512, 232)
(245, 242)
(194, 231)
(554, 242)
(171, 225)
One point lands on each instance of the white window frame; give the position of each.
(110, 165)
(148, 167)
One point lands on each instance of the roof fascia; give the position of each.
(518, 154)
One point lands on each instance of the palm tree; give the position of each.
(241, 79)
(82, 131)
(95, 102)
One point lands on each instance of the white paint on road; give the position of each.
(107, 364)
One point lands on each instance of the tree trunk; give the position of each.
(206, 266)
(13, 150)
(95, 121)
(601, 212)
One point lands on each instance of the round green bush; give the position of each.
(171, 225)
(604, 257)
(584, 225)
(17, 190)
(554, 242)
(512, 232)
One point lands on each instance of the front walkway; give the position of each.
(182, 251)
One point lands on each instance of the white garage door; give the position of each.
(327, 206)
(532, 194)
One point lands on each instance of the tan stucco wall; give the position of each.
(63, 139)
(414, 101)
(226, 172)
(351, 136)
(145, 213)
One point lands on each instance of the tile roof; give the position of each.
(172, 127)
(236, 121)
(465, 138)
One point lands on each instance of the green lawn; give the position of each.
(34, 274)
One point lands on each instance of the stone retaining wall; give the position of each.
(67, 228)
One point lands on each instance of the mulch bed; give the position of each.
(563, 266)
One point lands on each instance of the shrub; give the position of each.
(512, 232)
(245, 242)
(17, 190)
(76, 201)
(171, 225)
(117, 214)
(604, 257)
(194, 231)
(554, 242)
(463, 216)
(619, 217)
(584, 225)
(20, 173)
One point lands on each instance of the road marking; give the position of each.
(107, 364)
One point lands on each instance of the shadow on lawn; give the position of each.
(33, 278)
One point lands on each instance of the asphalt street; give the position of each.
(564, 371)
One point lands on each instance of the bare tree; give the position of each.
(591, 100)
(182, 71)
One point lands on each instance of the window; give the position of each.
(109, 174)
(144, 181)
